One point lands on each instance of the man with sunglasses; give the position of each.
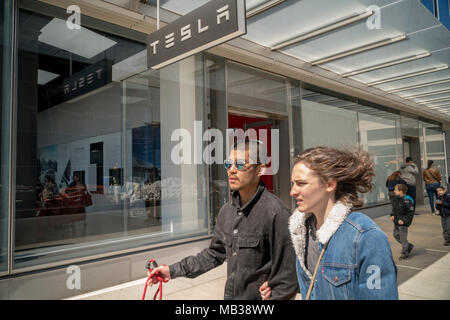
(251, 234)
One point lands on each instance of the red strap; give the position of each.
(157, 275)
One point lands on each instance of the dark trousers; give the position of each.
(445, 220)
(432, 194)
(401, 235)
(412, 193)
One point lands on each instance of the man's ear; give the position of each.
(261, 168)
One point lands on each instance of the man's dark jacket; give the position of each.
(255, 241)
(444, 207)
(403, 209)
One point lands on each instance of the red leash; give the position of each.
(157, 275)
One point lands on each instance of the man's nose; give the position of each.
(233, 168)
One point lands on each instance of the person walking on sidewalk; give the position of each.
(443, 208)
(393, 180)
(409, 171)
(341, 253)
(251, 234)
(432, 179)
(402, 216)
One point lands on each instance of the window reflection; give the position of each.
(349, 124)
(5, 102)
(70, 187)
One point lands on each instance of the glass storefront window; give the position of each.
(6, 14)
(164, 190)
(435, 150)
(253, 89)
(325, 124)
(378, 137)
(217, 119)
(70, 146)
(413, 146)
(344, 123)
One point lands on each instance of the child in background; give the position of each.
(443, 208)
(402, 216)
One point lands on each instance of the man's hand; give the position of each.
(392, 218)
(164, 272)
(265, 291)
(400, 222)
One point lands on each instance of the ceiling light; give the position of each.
(359, 49)
(45, 77)
(426, 94)
(432, 83)
(323, 29)
(262, 7)
(408, 75)
(387, 64)
(82, 42)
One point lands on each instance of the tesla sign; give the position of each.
(216, 22)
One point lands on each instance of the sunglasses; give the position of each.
(240, 164)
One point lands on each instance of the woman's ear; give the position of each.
(331, 185)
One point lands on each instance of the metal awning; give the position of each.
(408, 54)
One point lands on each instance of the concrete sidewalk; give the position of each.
(433, 283)
(423, 276)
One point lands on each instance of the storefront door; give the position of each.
(245, 123)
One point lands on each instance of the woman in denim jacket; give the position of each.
(357, 261)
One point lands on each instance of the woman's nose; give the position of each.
(293, 192)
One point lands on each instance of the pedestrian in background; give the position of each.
(408, 172)
(393, 180)
(443, 207)
(402, 216)
(432, 179)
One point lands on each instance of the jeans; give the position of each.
(401, 235)
(445, 220)
(431, 191)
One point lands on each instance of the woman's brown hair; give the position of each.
(396, 175)
(353, 171)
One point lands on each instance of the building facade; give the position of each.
(81, 111)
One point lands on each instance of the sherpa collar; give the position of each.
(298, 229)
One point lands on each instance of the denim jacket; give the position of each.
(357, 264)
